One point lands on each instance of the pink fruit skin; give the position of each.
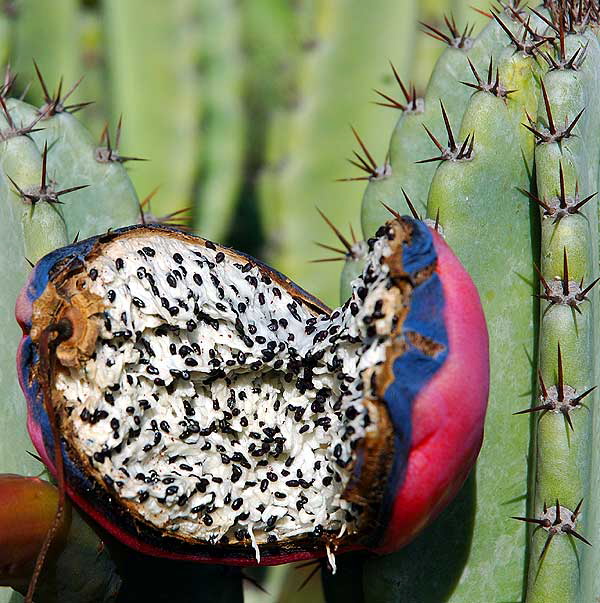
(447, 418)
(448, 414)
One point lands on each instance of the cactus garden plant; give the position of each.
(198, 406)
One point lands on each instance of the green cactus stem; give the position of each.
(566, 162)
(223, 120)
(151, 62)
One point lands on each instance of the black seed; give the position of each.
(144, 496)
(119, 263)
(149, 251)
(207, 519)
(111, 295)
(292, 483)
(177, 257)
(236, 473)
(93, 274)
(219, 257)
(264, 484)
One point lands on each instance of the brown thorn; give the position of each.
(535, 199)
(540, 522)
(565, 278)
(436, 225)
(9, 119)
(569, 129)
(352, 233)
(65, 191)
(76, 238)
(560, 386)
(118, 133)
(561, 176)
(569, 530)
(392, 211)
(581, 295)
(576, 511)
(579, 205)
(337, 232)
(578, 399)
(557, 519)
(547, 288)
(325, 260)
(44, 160)
(309, 577)
(393, 103)
(31, 264)
(412, 208)
(551, 125)
(330, 248)
(546, 406)
(542, 385)
(364, 148)
(254, 583)
(546, 545)
(451, 142)
(407, 96)
(435, 33)
(481, 12)
(47, 96)
(436, 142)
(567, 417)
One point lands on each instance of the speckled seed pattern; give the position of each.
(217, 405)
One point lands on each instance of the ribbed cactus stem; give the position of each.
(566, 162)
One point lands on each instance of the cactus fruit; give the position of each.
(27, 509)
(178, 356)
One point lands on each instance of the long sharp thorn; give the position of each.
(47, 96)
(578, 206)
(541, 203)
(461, 153)
(572, 532)
(31, 264)
(451, 142)
(391, 210)
(576, 511)
(551, 126)
(407, 96)
(365, 166)
(525, 411)
(565, 278)
(364, 148)
(72, 89)
(436, 142)
(547, 289)
(542, 385)
(393, 103)
(563, 196)
(352, 234)
(118, 133)
(581, 295)
(578, 399)
(71, 190)
(436, 225)
(539, 522)
(44, 163)
(435, 33)
(9, 119)
(546, 545)
(567, 417)
(325, 260)
(560, 386)
(413, 211)
(569, 129)
(309, 577)
(255, 583)
(339, 235)
(330, 248)
(557, 519)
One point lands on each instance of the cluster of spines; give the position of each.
(559, 38)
